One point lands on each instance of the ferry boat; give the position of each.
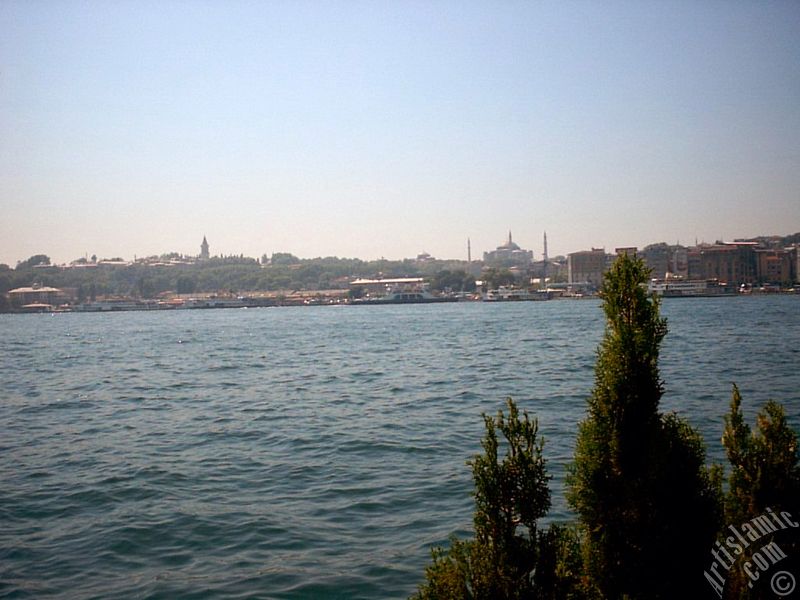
(406, 296)
(511, 294)
(675, 287)
(116, 305)
(214, 302)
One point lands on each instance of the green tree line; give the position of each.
(282, 271)
(652, 517)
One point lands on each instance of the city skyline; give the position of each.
(488, 256)
(372, 130)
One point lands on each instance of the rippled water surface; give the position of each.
(309, 452)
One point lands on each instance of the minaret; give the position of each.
(204, 249)
(544, 255)
(544, 261)
(469, 253)
(509, 237)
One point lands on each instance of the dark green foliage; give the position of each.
(284, 258)
(449, 576)
(511, 493)
(145, 288)
(6, 279)
(559, 568)
(494, 278)
(764, 465)
(639, 484)
(454, 281)
(33, 261)
(186, 285)
(284, 273)
(765, 474)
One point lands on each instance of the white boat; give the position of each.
(406, 296)
(675, 287)
(512, 294)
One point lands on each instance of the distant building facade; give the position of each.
(508, 255)
(586, 267)
(36, 295)
(657, 258)
(663, 259)
(729, 262)
(680, 261)
(775, 265)
(796, 262)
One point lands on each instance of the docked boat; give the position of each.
(116, 305)
(675, 287)
(214, 302)
(512, 294)
(400, 296)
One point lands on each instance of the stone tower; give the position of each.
(204, 249)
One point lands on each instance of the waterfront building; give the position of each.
(657, 258)
(680, 262)
(774, 266)
(694, 263)
(729, 262)
(587, 267)
(663, 259)
(204, 255)
(796, 264)
(36, 295)
(508, 255)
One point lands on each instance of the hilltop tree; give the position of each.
(648, 505)
(33, 261)
(284, 258)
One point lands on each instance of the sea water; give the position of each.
(311, 452)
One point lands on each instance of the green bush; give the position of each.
(511, 494)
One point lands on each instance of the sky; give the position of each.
(377, 129)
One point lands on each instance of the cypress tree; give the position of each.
(648, 505)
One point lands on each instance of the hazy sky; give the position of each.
(369, 129)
